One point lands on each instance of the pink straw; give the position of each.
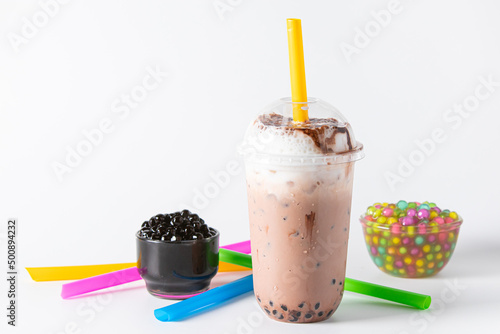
(240, 247)
(123, 276)
(100, 282)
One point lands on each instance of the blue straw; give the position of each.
(205, 301)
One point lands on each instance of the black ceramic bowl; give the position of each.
(176, 269)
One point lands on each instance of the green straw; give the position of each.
(413, 299)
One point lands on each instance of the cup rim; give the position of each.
(441, 228)
(180, 241)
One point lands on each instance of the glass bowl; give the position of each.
(410, 251)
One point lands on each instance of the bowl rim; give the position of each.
(205, 240)
(428, 229)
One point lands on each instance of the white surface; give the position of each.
(396, 90)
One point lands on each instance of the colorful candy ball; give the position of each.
(410, 239)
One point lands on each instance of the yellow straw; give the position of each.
(297, 70)
(43, 274)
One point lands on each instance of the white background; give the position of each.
(222, 69)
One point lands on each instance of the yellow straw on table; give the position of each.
(43, 274)
(297, 70)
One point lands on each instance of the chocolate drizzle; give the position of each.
(321, 130)
(310, 221)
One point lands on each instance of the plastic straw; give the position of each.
(398, 296)
(240, 259)
(297, 70)
(100, 282)
(205, 301)
(383, 292)
(42, 274)
(242, 247)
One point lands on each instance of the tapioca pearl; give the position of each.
(426, 248)
(396, 241)
(407, 221)
(377, 213)
(271, 303)
(419, 240)
(420, 270)
(369, 230)
(402, 271)
(398, 264)
(429, 257)
(414, 251)
(402, 250)
(453, 215)
(379, 262)
(439, 256)
(389, 267)
(391, 220)
(412, 205)
(383, 242)
(381, 250)
(439, 220)
(424, 206)
(370, 210)
(408, 260)
(320, 313)
(437, 248)
(430, 265)
(267, 310)
(375, 239)
(387, 212)
(368, 239)
(396, 228)
(406, 241)
(449, 220)
(411, 230)
(446, 246)
(281, 317)
(301, 305)
(386, 234)
(284, 307)
(333, 281)
(382, 220)
(389, 259)
(308, 316)
(442, 236)
(402, 205)
(440, 264)
(431, 238)
(275, 312)
(396, 213)
(411, 269)
(329, 313)
(316, 306)
(391, 250)
(419, 262)
(411, 213)
(447, 254)
(370, 218)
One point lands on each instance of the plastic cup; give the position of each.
(299, 183)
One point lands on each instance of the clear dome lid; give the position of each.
(326, 137)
